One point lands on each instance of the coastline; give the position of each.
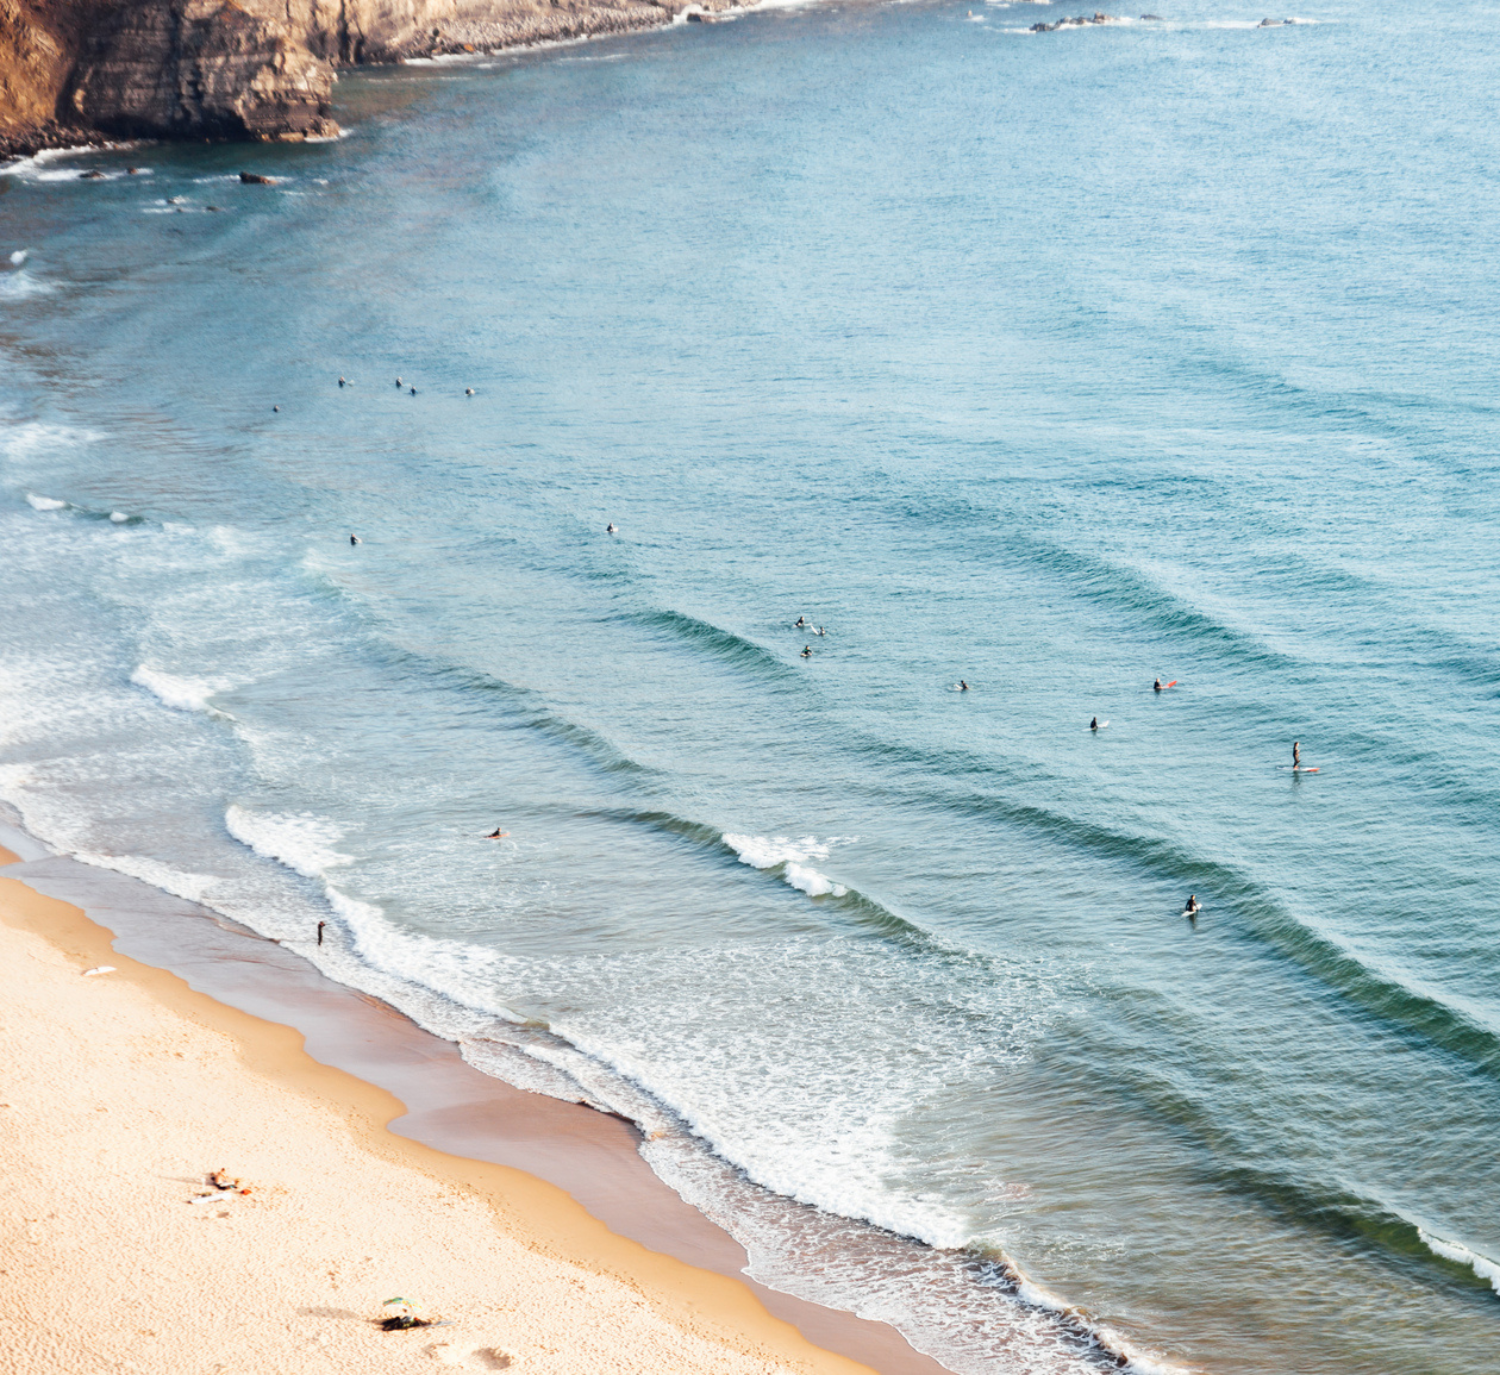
(565, 1182)
(295, 114)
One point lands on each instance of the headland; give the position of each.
(82, 71)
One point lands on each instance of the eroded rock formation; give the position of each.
(247, 69)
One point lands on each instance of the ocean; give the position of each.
(1052, 363)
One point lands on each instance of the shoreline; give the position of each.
(571, 1174)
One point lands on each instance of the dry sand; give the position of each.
(123, 1091)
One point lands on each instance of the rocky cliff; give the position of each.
(246, 69)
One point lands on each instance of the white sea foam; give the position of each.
(811, 882)
(119, 517)
(19, 286)
(767, 852)
(185, 694)
(1482, 1266)
(34, 439)
(303, 841)
(42, 503)
(180, 883)
(19, 257)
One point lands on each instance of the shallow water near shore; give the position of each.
(1053, 363)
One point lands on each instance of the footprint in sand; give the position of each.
(483, 1358)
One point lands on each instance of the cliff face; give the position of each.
(202, 69)
(236, 69)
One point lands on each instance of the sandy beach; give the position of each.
(125, 1090)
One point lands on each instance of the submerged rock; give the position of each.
(1099, 17)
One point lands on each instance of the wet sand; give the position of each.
(394, 1166)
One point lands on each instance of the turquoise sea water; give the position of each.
(1054, 363)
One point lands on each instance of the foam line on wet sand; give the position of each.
(366, 1062)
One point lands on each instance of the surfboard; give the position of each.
(1103, 725)
(1295, 768)
(1165, 686)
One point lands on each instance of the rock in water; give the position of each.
(255, 179)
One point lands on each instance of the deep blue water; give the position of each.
(1052, 363)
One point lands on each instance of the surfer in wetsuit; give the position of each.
(1094, 724)
(497, 834)
(1156, 686)
(1296, 754)
(1193, 908)
(800, 623)
(962, 686)
(807, 651)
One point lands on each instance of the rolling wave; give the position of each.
(1436, 1017)
(1460, 1254)
(526, 707)
(781, 857)
(1128, 589)
(722, 644)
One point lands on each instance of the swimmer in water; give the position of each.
(497, 834)
(807, 651)
(1296, 754)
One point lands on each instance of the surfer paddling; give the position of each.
(497, 834)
